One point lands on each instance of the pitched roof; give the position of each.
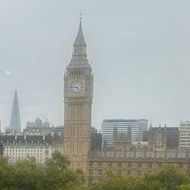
(37, 139)
(15, 116)
(80, 38)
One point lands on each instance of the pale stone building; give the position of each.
(134, 161)
(24, 147)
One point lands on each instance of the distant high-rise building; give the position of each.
(137, 127)
(42, 128)
(184, 141)
(15, 116)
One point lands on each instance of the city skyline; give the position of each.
(140, 62)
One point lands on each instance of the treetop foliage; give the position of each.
(169, 177)
(55, 175)
(27, 175)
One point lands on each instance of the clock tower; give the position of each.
(78, 93)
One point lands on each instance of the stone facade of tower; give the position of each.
(78, 93)
(121, 141)
(157, 140)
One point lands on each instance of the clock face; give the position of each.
(76, 87)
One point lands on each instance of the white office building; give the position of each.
(25, 147)
(137, 128)
(184, 140)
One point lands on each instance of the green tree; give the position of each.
(6, 174)
(169, 177)
(57, 162)
(28, 175)
(117, 182)
(184, 187)
(58, 176)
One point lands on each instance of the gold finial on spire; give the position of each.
(80, 15)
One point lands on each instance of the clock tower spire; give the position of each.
(78, 92)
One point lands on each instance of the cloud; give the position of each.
(7, 72)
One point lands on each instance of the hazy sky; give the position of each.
(139, 50)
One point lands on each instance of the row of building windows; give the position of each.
(22, 153)
(129, 165)
(77, 73)
(24, 150)
(110, 164)
(119, 171)
(24, 147)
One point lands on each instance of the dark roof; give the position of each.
(30, 139)
(120, 120)
(79, 61)
(80, 38)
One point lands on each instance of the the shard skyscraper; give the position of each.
(15, 116)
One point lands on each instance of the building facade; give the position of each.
(78, 93)
(138, 158)
(24, 147)
(171, 134)
(135, 161)
(184, 141)
(137, 128)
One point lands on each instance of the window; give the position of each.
(159, 165)
(180, 165)
(129, 172)
(109, 164)
(139, 173)
(119, 165)
(99, 172)
(90, 164)
(99, 164)
(139, 165)
(129, 165)
(90, 172)
(149, 165)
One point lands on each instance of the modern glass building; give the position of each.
(137, 128)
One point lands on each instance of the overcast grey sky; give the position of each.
(139, 50)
